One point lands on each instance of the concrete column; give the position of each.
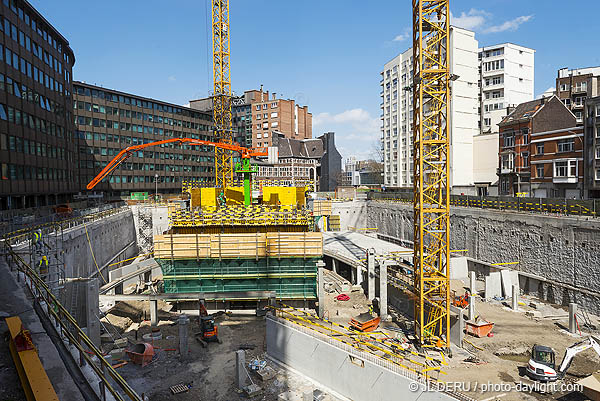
(92, 309)
(240, 368)
(371, 273)
(183, 336)
(334, 265)
(515, 297)
(320, 288)
(471, 307)
(383, 301)
(154, 313)
(572, 321)
(472, 283)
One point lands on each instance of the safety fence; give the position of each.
(566, 207)
(109, 380)
(14, 236)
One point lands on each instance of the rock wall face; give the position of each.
(563, 249)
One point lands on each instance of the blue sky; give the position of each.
(325, 54)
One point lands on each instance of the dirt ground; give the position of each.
(208, 372)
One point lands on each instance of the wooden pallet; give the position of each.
(179, 388)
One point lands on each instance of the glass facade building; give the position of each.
(37, 150)
(107, 121)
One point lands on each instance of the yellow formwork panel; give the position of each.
(279, 195)
(301, 196)
(234, 195)
(195, 198)
(208, 197)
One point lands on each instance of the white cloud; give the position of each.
(172, 78)
(355, 130)
(403, 36)
(511, 25)
(472, 20)
(480, 20)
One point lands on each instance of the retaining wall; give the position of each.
(560, 250)
(108, 237)
(353, 374)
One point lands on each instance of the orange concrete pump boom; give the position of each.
(246, 153)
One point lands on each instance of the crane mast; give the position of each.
(222, 92)
(431, 187)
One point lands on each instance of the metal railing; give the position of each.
(554, 206)
(15, 236)
(70, 331)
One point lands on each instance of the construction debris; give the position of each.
(179, 388)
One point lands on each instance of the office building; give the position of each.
(108, 121)
(397, 117)
(506, 78)
(573, 87)
(37, 150)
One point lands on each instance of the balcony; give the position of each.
(564, 180)
(578, 89)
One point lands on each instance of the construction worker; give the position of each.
(222, 199)
(43, 265)
(371, 309)
(37, 239)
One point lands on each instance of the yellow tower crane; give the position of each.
(222, 92)
(431, 188)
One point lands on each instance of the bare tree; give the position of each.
(377, 150)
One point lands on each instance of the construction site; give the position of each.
(248, 290)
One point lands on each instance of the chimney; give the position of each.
(509, 109)
(262, 98)
(274, 95)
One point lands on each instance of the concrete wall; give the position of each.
(353, 374)
(565, 250)
(108, 237)
(352, 214)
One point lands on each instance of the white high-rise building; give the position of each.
(397, 116)
(506, 79)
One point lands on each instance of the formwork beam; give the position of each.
(32, 375)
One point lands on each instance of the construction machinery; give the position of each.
(246, 154)
(542, 365)
(209, 331)
(431, 32)
(222, 92)
(365, 322)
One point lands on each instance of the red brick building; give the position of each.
(541, 151)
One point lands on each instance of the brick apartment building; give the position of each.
(285, 116)
(591, 184)
(241, 113)
(541, 151)
(573, 87)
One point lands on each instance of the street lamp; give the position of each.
(156, 187)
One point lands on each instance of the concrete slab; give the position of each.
(509, 278)
(493, 285)
(459, 268)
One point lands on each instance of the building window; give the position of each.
(487, 121)
(568, 145)
(564, 87)
(274, 105)
(567, 102)
(580, 87)
(258, 107)
(566, 168)
(539, 149)
(265, 106)
(508, 162)
(525, 159)
(598, 131)
(579, 116)
(539, 170)
(509, 140)
(597, 173)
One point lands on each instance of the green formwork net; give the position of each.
(290, 278)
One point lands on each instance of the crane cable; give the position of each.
(92, 251)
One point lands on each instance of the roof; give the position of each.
(524, 111)
(307, 148)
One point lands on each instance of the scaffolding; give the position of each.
(431, 191)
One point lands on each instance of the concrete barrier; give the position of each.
(356, 375)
